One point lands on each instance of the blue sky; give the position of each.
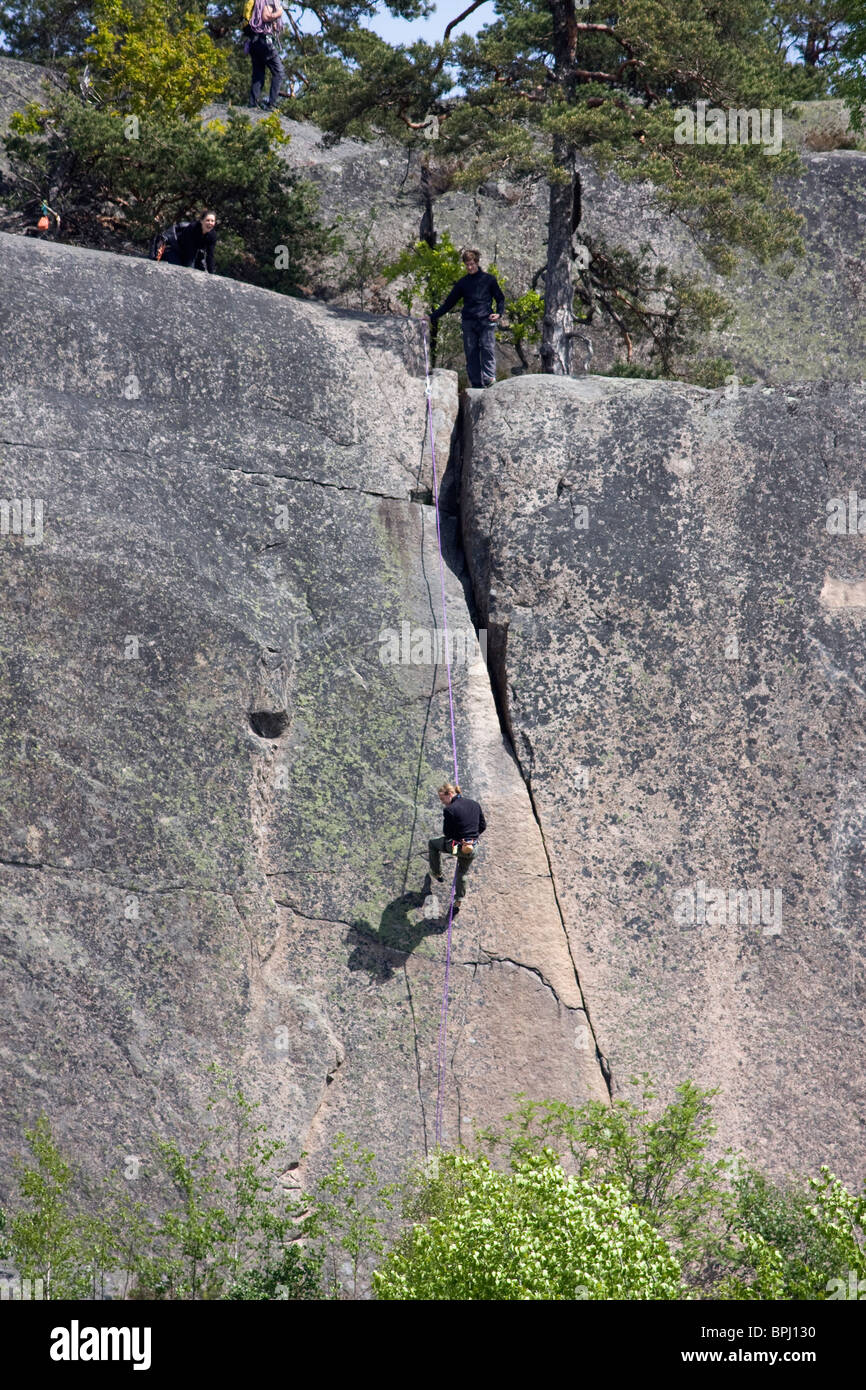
(406, 31)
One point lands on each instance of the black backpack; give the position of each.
(161, 241)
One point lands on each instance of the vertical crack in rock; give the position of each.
(417, 1057)
(308, 1141)
(497, 676)
(600, 1057)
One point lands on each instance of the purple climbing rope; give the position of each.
(443, 1019)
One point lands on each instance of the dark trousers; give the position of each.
(264, 56)
(435, 850)
(193, 260)
(479, 344)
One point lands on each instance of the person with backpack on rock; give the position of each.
(263, 19)
(188, 243)
(478, 289)
(462, 823)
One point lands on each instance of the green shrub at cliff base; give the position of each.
(227, 1227)
(532, 1233)
(797, 1242)
(349, 1215)
(781, 1249)
(116, 179)
(661, 1156)
(216, 1222)
(45, 1237)
(840, 1218)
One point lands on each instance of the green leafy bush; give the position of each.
(213, 1223)
(429, 272)
(349, 1215)
(45, 1236)
(531, 1233)
(599, 1202)
(662, 1160)
(117, 179)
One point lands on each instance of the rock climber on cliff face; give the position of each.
(477, 288)
(462, 823)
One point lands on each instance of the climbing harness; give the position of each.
(443, 1020)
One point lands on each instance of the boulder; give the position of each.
(673, 582)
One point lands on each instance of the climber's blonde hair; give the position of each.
(449, 789)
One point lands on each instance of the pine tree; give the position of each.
(45, 31)
(851, 67)
(815, 29)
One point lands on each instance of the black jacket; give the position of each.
(463, 819)
(194, 245)
(476, 291)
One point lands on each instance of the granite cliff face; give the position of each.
(219, 782)
(216, 792)
(674, 585)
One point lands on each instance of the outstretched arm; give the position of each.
(453, 298)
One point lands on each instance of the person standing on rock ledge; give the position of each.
(462, 822)
(478, 289)
(262, 20)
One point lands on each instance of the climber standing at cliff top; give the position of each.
(477, 288)
(462, 822)
(262, 20)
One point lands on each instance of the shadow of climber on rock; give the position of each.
(379, 951)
